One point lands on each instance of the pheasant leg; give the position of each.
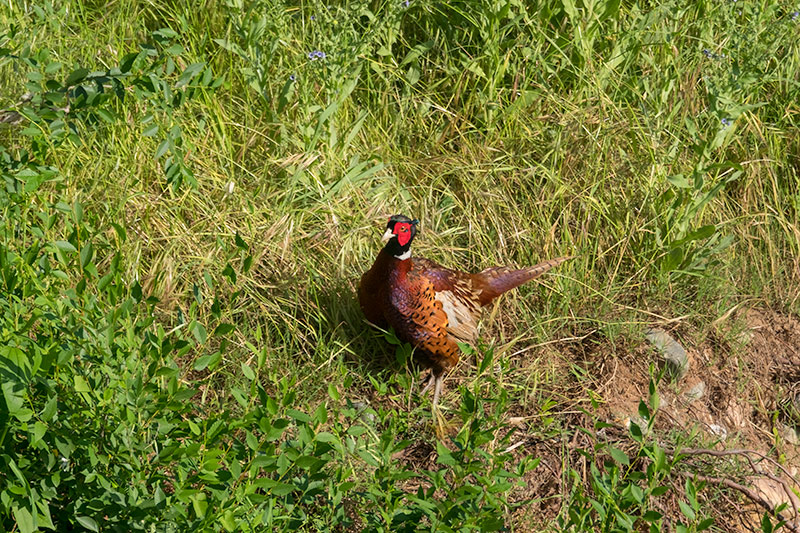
(428, 382)
(437, 390)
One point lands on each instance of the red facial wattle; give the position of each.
(403, 232)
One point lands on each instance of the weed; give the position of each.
(189, 196)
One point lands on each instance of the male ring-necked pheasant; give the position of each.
(428, 305)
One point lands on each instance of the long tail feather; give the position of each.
(496, 280)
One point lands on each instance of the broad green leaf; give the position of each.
(65, 246)
(660, 491)
(644, 412)
(445, 457)
(240, 242)
(202, 362)
(39, 430)
(87, 253)
(680, 181)
(228, 522)
(106, 115)
(104, 281)
(619, 456)
(13, 392)
(136, 291)
(52, 68)
(159, 496)
(417, 51)
(277, 488)
(687, 510)
(87, 522)
(167, 33)
(271, 405)
(59, 274)
(229, 273)
(50, 409)
(223, 329)
(321, 414)
(333, 392)
(24, 519)
(189, 74)
(324, 436)
(240, 397)
(298, 415)
(413, 75)
(200, 333)
(76, 76)
(200, 504)
(705, 524)
(162, 148)
(80, 384)
(248, 372)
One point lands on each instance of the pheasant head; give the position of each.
(400, 231)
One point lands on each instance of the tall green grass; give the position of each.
(192, 191)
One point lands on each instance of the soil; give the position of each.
(742, 381)
(738, 393)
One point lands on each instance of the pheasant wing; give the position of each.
(458, 298)
(419, 318)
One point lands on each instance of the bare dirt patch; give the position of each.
(739, 392)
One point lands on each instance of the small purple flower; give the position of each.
(726, 122)
(313, 18)
(795, 15)
(316, 54)
(707, 53)
(292, 77)
(406, 3)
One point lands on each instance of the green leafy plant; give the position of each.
(59, 111)
(180, 346)
(468, 492)
(624, 486)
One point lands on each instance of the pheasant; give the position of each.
(430, 306)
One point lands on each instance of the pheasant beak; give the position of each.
(388, 235)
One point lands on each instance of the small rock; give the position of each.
(789, 434)
(638, 420)
(718, 430)
(675, 356)
(774, 493)
(696, 392)
(362, 408)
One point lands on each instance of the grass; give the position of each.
(658, 144)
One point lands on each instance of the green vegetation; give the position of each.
(191, 192)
